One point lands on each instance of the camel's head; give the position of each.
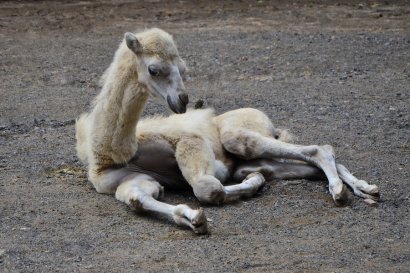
(159, 66)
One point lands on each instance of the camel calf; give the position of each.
(136, 159)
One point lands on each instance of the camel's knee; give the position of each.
(321, 152)
(209, 190)
(108, 180)
(135, 192)
(103, 183)
(329, 149)
(241, 143)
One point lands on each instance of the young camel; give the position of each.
(196, 148)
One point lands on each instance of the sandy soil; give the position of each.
(331, 73)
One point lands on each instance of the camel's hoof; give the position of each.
(342, 198)
(372, 190)
(367, 191)
(256, 181)
(136, 205)
(375, 195)
(200, 223)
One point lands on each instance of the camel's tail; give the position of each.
(283, 135)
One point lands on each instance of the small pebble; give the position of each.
(371, 202)
(2, 255)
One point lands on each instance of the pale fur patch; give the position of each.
(193, 122)
(82, 139)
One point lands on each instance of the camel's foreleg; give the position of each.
(252, 145)
(141, 192)
(198, 165)
(249, 186)
(196, 160)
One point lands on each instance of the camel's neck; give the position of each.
(117, 110)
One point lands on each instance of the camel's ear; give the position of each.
(133, 43)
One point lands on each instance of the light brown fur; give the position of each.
(196, 148)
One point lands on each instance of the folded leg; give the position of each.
(141, 192)
(272, 169)
(251, 145)
(197, 163)
(199, 167)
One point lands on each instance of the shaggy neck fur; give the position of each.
(117, 110)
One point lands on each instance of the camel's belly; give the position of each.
(157, 159)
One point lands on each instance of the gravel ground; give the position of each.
(335, 73)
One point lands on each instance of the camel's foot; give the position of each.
(194, 219)
(248, 188)
(339, 194)
(366, 191)
(360, 187)
(253, 182)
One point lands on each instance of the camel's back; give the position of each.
(192, 123)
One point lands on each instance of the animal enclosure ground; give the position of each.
(331, 73)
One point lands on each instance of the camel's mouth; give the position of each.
(180, 106)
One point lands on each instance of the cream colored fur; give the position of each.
(106, 135)
(208, 150)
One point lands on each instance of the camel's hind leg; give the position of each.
(247, 133)
(198, 165)
(140, 192)
(360, 187)
(272, 169)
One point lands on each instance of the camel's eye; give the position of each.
(153, 71)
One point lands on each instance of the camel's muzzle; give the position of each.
(180, 106)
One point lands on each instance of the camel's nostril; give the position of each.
(184, 98)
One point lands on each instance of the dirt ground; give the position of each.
(335, 73)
